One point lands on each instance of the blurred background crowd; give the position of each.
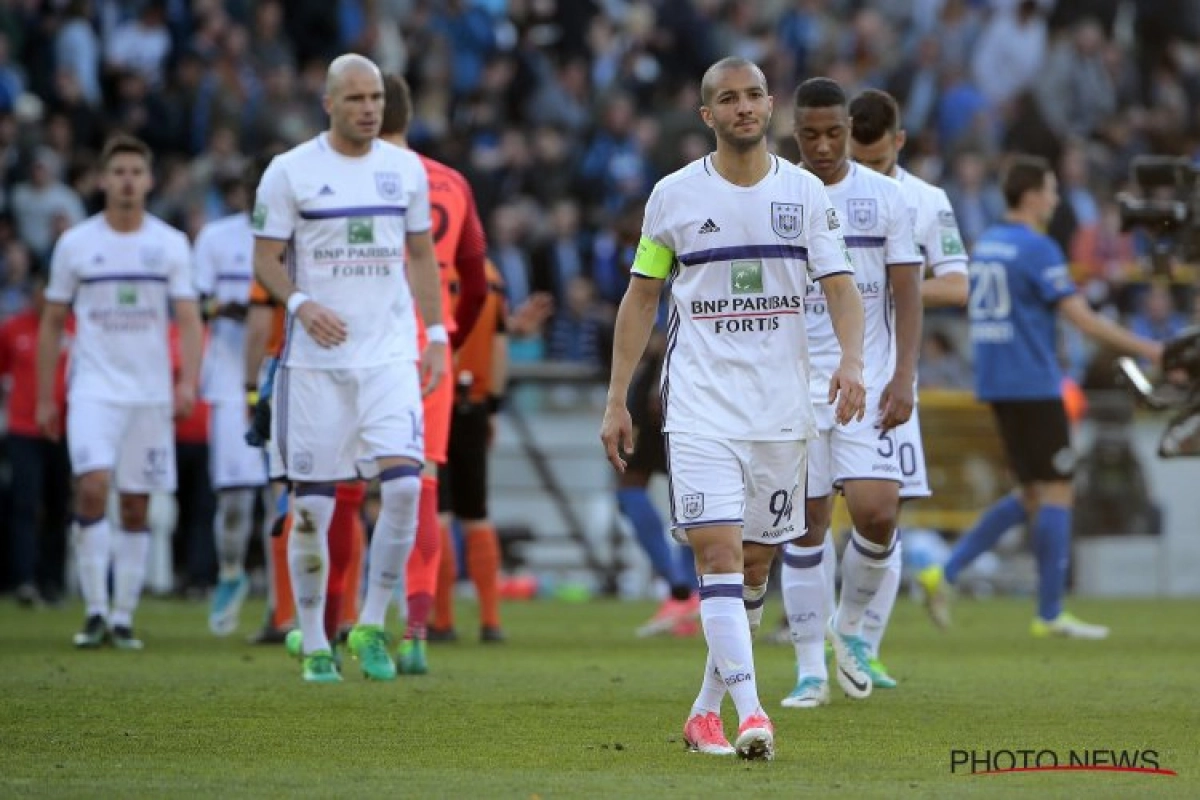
(563, 113)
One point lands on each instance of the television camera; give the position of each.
(1168, 213)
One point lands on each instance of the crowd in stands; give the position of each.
(563, 114)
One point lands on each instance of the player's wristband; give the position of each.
(296, 300)
(437, 333)
(495, 402)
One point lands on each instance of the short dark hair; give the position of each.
(124, 143)
(873, 115)
(819, 93)
(397, 106)
(1023, 174)
(725, 64)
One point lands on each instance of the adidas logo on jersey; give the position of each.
(709, 227)
(325, 191)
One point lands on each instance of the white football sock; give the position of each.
(308, 561)
(232, 526)
(93, 555)
(723, 615)
(129, 574)
(392, 541)
(879, 611)
(864, 565)
(806, 600)
(712, 690)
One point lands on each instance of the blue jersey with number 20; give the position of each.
(1018, 277)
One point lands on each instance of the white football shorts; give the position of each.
(326, 421)
(911, 453)
(858, 450)
(135, 443)
(232, 463)
(727, 482)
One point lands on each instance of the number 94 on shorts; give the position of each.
(730, 482)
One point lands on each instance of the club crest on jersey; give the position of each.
(692, 505)
(388, 185)
(864, 213)
(787, 220)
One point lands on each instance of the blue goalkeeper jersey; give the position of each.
(1018, 278)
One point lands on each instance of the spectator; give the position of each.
(12, 77)
(942, 366)
(142, 45)
(560, 259)
(1010, 52)
(37, 202)
(17, 270)
(1157, 318)
(41, 484)
(77, 51)
(1074, 89)
(579, 333)
(974, 196)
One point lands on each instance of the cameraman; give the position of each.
(1019, 284)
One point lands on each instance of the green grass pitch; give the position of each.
(574, 706)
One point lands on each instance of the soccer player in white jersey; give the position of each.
(224, 272)
(119, 270)
(345, 207)
(876, 139)
(738, 234)
(860, 459)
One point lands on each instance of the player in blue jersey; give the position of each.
(1019, 286)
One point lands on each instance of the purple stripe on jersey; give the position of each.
(800, 560)
(733, 590)
(234, 276)
(872, 555)
(125, 278)
(353, 211)
(743, 251)
(865, 241)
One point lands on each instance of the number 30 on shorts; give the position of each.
(907, 454)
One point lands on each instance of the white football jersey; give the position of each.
(934, 226)
(346, 220)
(878, 235)
(119, 285)
(224, 271)
(738, 259)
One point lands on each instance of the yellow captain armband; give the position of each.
(652, 259)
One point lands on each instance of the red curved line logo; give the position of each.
(1083, 768)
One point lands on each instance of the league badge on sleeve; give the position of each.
(388, 184)
(863, 212)
(787, 220)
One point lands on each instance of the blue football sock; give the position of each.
(1052, 546)
(635, 504)
(994, 523)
